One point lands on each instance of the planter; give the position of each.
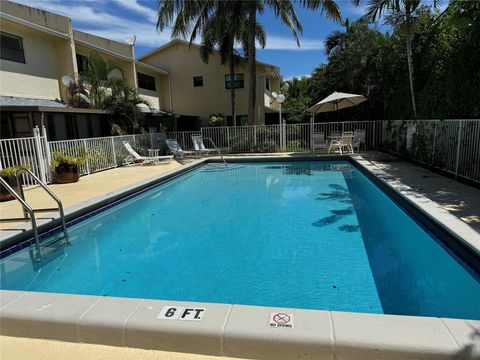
(4, 194)
(65, 174)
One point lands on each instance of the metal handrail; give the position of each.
(216, 149)
(49, 192)
(26, 210)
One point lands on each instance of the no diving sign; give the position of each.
(281, 320)
(181, 313)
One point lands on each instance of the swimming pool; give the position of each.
(314, 235)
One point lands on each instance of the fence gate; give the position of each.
(32, 152)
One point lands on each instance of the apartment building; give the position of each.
(39, 48)
(200, 89)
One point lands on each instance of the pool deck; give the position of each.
(14, 348)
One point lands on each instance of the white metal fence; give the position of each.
(450, 145)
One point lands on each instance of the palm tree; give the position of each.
(337, 39)
(403, 15)
(222, 31)
(102, 86)
(285, 11)
(193, 15)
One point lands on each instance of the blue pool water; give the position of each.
(315, 235)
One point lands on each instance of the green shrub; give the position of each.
(59, 159)
(11, 171)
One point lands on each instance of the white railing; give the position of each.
(29, 152)
(449, 145)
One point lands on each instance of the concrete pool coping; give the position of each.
(238, 330)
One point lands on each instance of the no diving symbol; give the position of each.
(281, 318)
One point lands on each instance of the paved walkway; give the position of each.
(459, 199)
(13, 348)
(88, 187)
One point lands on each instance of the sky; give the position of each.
(121, 19)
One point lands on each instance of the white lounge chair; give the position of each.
(359, 140)
(345, 143)
(134, 158)
(176, 150)
(200, 146)
(319, 141)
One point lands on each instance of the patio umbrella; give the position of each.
(333, 102)
(337, 101)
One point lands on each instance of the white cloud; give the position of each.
(88, 17)
(140, 9)
(290, 77)
(95, 17)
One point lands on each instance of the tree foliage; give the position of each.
(364, 60)
(102, 86)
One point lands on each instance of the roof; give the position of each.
(184, 42)
(13, 103)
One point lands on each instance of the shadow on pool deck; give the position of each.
(459, 199)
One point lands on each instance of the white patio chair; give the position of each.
(176, 150)
(335, 135)
(359, 140)
(319, 141)
(345, 143)
(135, 158)
(200, 146)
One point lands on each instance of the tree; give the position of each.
(222, 31)
(191, 17)
(285, 11)
(102, 86)
(402, 15)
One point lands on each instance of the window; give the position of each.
(237, 80)
(146, 82)
(267, 83)
(242, 120)
(11, 47)
(197, 81)
(82, 63)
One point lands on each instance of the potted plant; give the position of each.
(65, 167)
(8, 174)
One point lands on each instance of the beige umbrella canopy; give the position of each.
(337, 101)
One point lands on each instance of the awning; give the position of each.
(13, 103)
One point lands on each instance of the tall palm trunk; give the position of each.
(232, 87)
(409, 60)
(410, 75)
(252, 71)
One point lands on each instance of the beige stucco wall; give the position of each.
(103, 43)
(39, 76)
(36, 16)
(127, 66)
(184, 62)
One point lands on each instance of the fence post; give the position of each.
(48, 155)
(228, 137)
(457, 160)
(284, 135)
(434, 140)
(113, 152)
(255, 135)
(87, 163)
(39, 153)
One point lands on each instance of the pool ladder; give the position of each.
(29, 212)
(216, 149)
